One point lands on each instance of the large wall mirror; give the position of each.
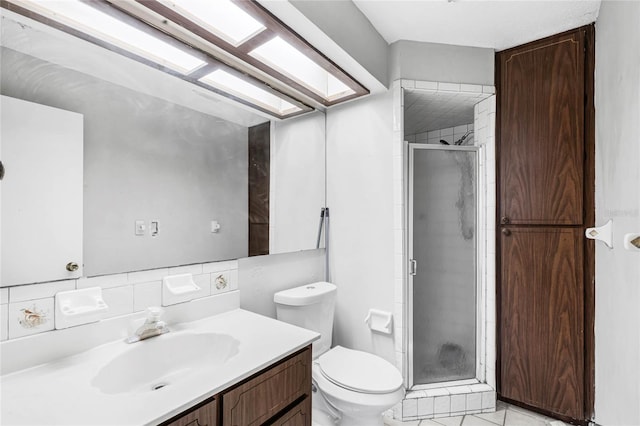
(168, 154)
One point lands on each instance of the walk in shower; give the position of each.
(443, 246)
(443, 241)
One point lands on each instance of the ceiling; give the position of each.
(479, 23)
(425, 111)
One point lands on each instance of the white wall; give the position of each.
(297, 183)
(617, 102)
(368, 47)
(262, 276)
(360, 198)
(440, 62)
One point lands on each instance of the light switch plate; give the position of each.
(140, 227)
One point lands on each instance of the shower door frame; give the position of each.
(479, 255)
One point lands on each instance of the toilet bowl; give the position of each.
(359, 386)
(351, 388)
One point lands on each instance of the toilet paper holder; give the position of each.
(380, 321)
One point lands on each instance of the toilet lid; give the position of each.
(359, 371)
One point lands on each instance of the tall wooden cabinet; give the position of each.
(545, 193)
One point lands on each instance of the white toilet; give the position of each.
(351, 388)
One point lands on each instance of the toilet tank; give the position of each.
(309, 306)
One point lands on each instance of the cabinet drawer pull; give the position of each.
(504, 220)
(506, 232)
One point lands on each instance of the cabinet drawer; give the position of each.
(204, 415)
(300, 415)
(264, 396)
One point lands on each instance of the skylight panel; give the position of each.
(285, 58)
(236, 86)
(98, 24)
(221, 17)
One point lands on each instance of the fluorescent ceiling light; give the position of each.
(90, 20)
(243, 89)
(222, 17)
(288, 60)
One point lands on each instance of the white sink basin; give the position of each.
(158, 362)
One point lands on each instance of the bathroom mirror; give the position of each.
(163, 158)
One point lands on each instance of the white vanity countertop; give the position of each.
(61, 392)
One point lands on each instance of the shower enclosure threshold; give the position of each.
(445, 384)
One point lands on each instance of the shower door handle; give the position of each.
(413, 267)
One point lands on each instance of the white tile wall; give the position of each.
(456, 400)
(425, 407)
(39, 291)
(124, 294)
(147, 276)
(204, 282)
(187, 269)
(104, 281)
(4, 321)
(146, 295)
(30, 317)
(442, 405)
(119, 300)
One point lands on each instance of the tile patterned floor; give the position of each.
(505, 415)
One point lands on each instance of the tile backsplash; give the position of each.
(29, 309)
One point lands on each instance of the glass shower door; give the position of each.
(442, 246)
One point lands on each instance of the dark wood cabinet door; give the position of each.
(267, 395)
(300, 415)
(545, 165)
(541, 326)
(541, 127)
(203, 415)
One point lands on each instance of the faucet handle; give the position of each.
(153, 314)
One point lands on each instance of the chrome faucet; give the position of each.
(151, 327)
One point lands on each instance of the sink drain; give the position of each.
(158, 386)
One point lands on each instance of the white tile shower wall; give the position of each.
(449, 134)
(479, 398)
(28, 309)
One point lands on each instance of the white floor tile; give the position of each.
(475, 421)
(392, 422)
(516, 418)
(450, 421)
(428, 422)
(497, 417)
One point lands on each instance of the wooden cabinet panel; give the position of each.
(300, 415)
(259, 171)
(541, 324)
(205, 415)
(541, 127)
(266, 395)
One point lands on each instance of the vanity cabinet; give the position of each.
(279, 395)
(202, 415)
(268, 394)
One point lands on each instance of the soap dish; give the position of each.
(77, 307)
(178, 289)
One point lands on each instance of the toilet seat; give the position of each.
(359, 371)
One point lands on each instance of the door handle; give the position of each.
(504, 220)
(72, 266)
(506, 232)
(413, 267)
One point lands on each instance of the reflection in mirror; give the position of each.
(158, 149)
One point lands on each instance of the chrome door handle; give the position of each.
(413, 267)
